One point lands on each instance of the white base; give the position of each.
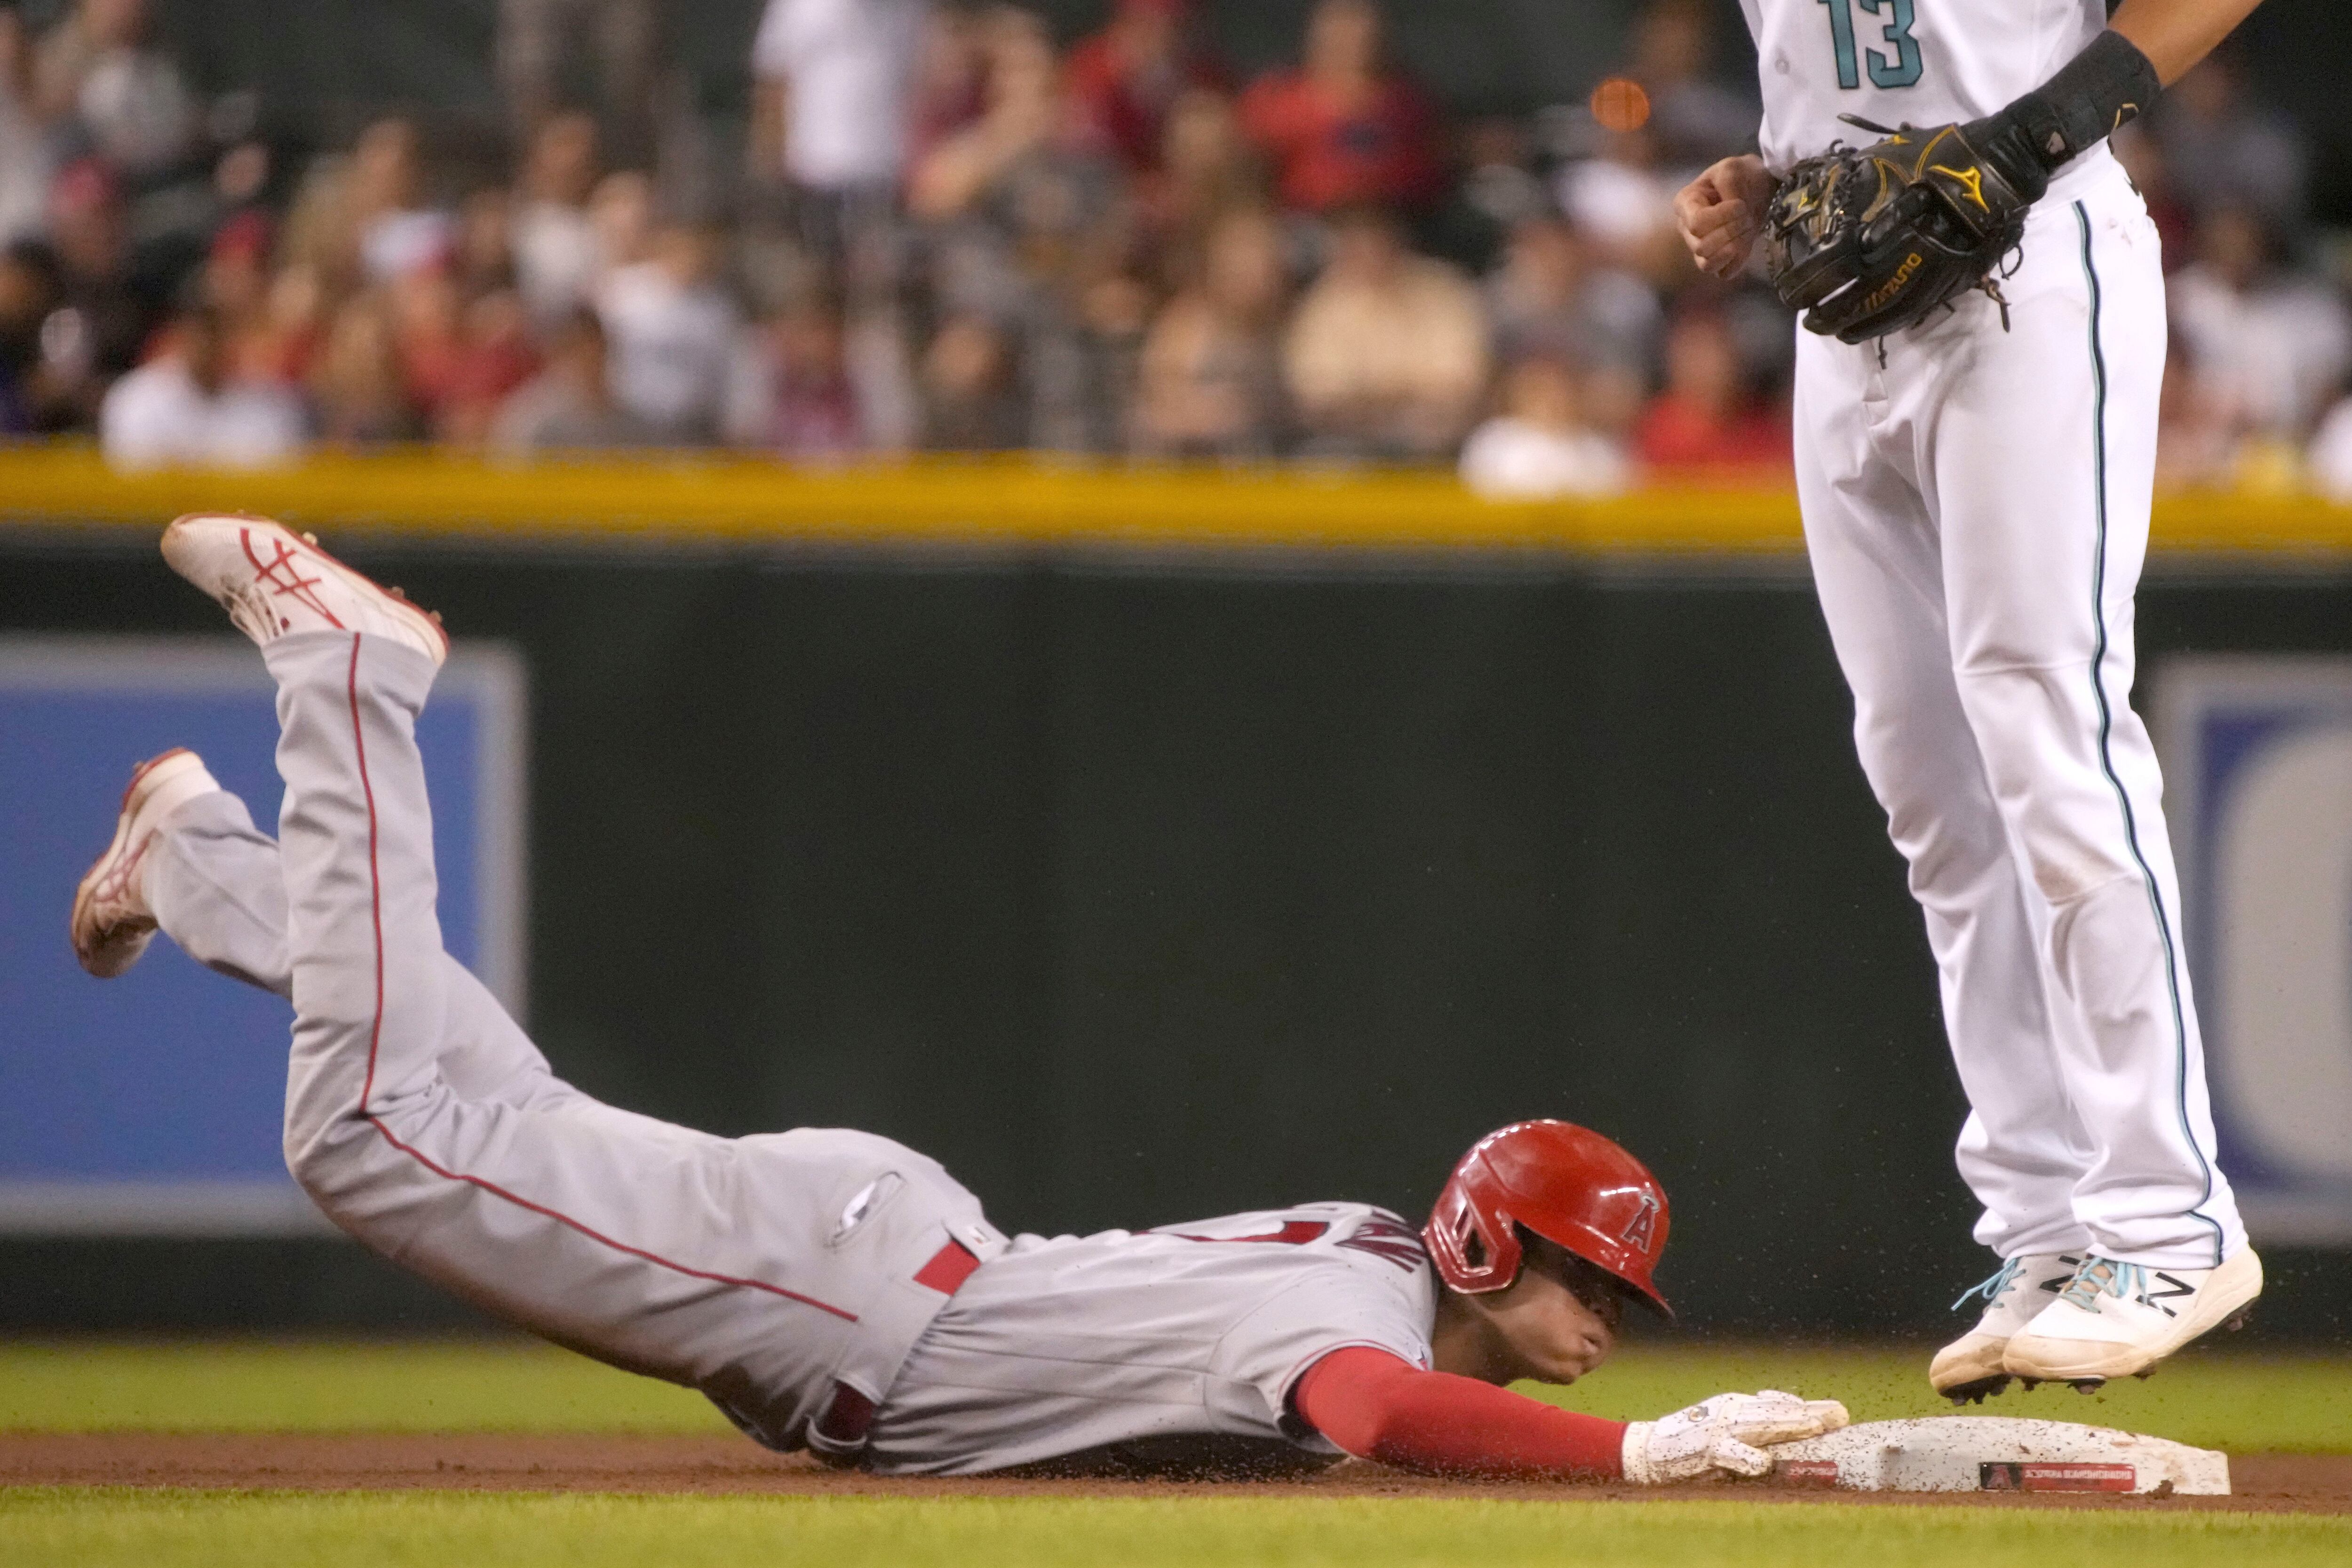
(1999, 1453)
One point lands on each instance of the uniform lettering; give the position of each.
(1383, 1236)
(1393, 1240)
(1901, 68)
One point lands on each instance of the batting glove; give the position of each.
(1727, 1433)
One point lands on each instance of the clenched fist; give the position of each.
(1721, 213)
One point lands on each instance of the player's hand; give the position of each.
(1726, 1434)
(1721, 213)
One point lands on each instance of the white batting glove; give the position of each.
(1727, 1433)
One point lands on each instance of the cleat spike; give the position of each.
(2088, 1384)
(1978, 1391)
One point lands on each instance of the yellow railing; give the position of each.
(1012, 501)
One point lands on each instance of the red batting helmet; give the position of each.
(1566, 1184)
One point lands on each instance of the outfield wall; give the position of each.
(1150, 847)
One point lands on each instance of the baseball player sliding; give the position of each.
(1976, 414)
(832, 1289)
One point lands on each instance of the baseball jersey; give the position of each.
(1925, 61)
(1076, 1344)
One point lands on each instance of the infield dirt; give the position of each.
(725, 1465)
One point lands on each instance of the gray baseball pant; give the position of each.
(772, 1271)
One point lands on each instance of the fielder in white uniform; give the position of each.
(832, 1289)
(1975, 496)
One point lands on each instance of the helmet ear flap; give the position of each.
(1505, 1250)
(1477, 1248)
(1475, 1253)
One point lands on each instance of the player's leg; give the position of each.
(628, 1247)
(214, 884)
(1876, 564)
(778, 1273)
(194, 864)
(2043, 465)
(654, 1248)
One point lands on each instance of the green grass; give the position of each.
(167, 1529)
(2241, 1402)
(238, 1385)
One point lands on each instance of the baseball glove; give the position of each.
(1867, 241)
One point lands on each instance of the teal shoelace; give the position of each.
(2104, 1277)
(1991, 1290)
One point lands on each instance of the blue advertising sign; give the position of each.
(2258, 774)
(151, 1103)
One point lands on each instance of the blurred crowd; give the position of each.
(941, 231)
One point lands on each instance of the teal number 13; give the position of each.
(1901, 70)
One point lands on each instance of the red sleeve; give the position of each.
(1378, 1406)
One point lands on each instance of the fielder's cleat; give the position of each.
(1970, 1369)
(272, 581)
(2116, 1320)
(1978, 1392)
(111, 922)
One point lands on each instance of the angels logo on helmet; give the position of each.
(1566, 1184)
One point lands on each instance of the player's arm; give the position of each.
(2149, 45)
(1379, 1406)
(2176, 33)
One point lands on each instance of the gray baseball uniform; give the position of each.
(1081, 1345)
(825, 1287)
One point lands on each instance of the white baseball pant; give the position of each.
(1976, 504)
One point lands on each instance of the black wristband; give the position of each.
(2106, 85)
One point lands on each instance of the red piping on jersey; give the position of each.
(375, 1033)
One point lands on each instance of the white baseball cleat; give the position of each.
(272, 580)
(112, 921)
(1970, 1369)
(2118, 1320)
